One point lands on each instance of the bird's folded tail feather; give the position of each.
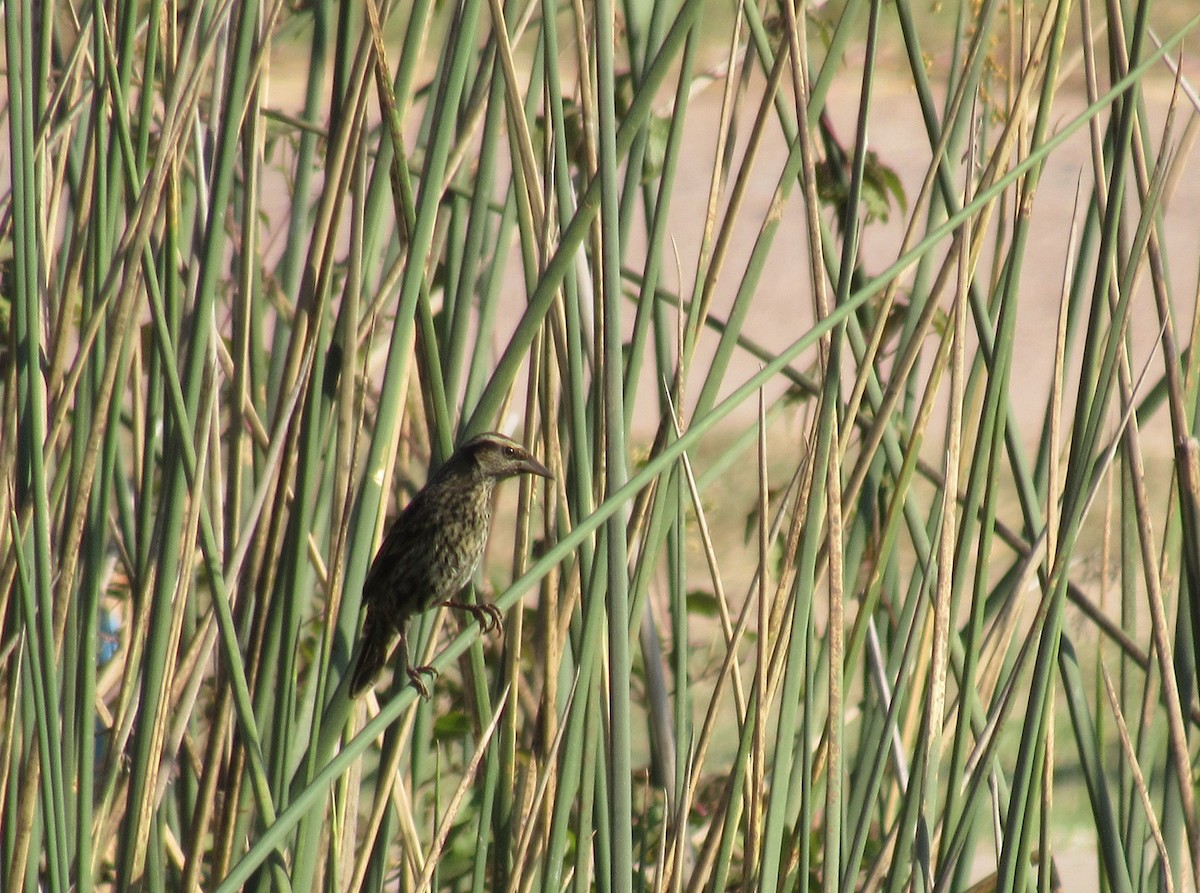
(374, 648)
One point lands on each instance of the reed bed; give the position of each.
(811, 602)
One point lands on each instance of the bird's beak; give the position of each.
(533, 466)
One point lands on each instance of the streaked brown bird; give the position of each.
(431, 551)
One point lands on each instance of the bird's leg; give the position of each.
(488, 615)
(415, 674)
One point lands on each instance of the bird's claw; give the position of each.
(414, 676)
(487, 615)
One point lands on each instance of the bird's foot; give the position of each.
(488, 615)
(415, 675)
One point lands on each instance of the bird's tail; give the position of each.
(374, 648)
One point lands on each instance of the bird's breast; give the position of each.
(462, 538)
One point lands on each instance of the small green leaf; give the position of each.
(451, 726)
(702, 603)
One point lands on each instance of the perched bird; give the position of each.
(431, 551)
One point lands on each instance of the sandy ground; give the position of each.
(782, 307)
(783, 303)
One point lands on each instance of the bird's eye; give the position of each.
(510, 452)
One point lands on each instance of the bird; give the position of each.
(431, 551)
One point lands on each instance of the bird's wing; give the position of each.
(398, 561)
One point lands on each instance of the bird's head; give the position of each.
(497, 457)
